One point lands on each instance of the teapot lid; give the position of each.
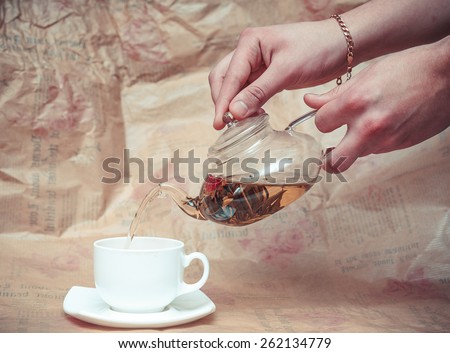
(239, 136)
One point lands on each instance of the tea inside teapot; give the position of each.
(237, 204)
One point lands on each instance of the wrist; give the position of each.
(350, 45)
(332, 56)
(382, 27)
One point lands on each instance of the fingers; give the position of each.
(217, 75)
(222, 106)
(245, 80)
(341, 106)
(330, 108)
(216, 78)
(249, 100)
(247, 58)
(346, 152)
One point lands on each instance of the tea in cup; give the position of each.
(143, 275)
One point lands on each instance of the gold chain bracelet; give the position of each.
(350, 44)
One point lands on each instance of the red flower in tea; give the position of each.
(212, 183)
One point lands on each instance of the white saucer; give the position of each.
(85, 304)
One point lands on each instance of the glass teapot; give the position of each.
(256, 172)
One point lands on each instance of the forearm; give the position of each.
(379, 27)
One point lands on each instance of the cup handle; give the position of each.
(188, 288)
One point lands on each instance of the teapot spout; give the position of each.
(187, 204)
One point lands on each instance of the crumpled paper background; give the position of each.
(82, 81)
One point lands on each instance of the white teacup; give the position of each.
(143, 275)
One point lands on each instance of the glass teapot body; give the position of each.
(256, 171)
(253, 172)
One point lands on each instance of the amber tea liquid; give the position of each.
(239, 204)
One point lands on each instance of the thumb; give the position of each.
(316, 101)
(250, 100)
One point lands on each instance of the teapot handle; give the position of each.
(301, 119)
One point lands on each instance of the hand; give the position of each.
(270, 59)
(394, 103)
